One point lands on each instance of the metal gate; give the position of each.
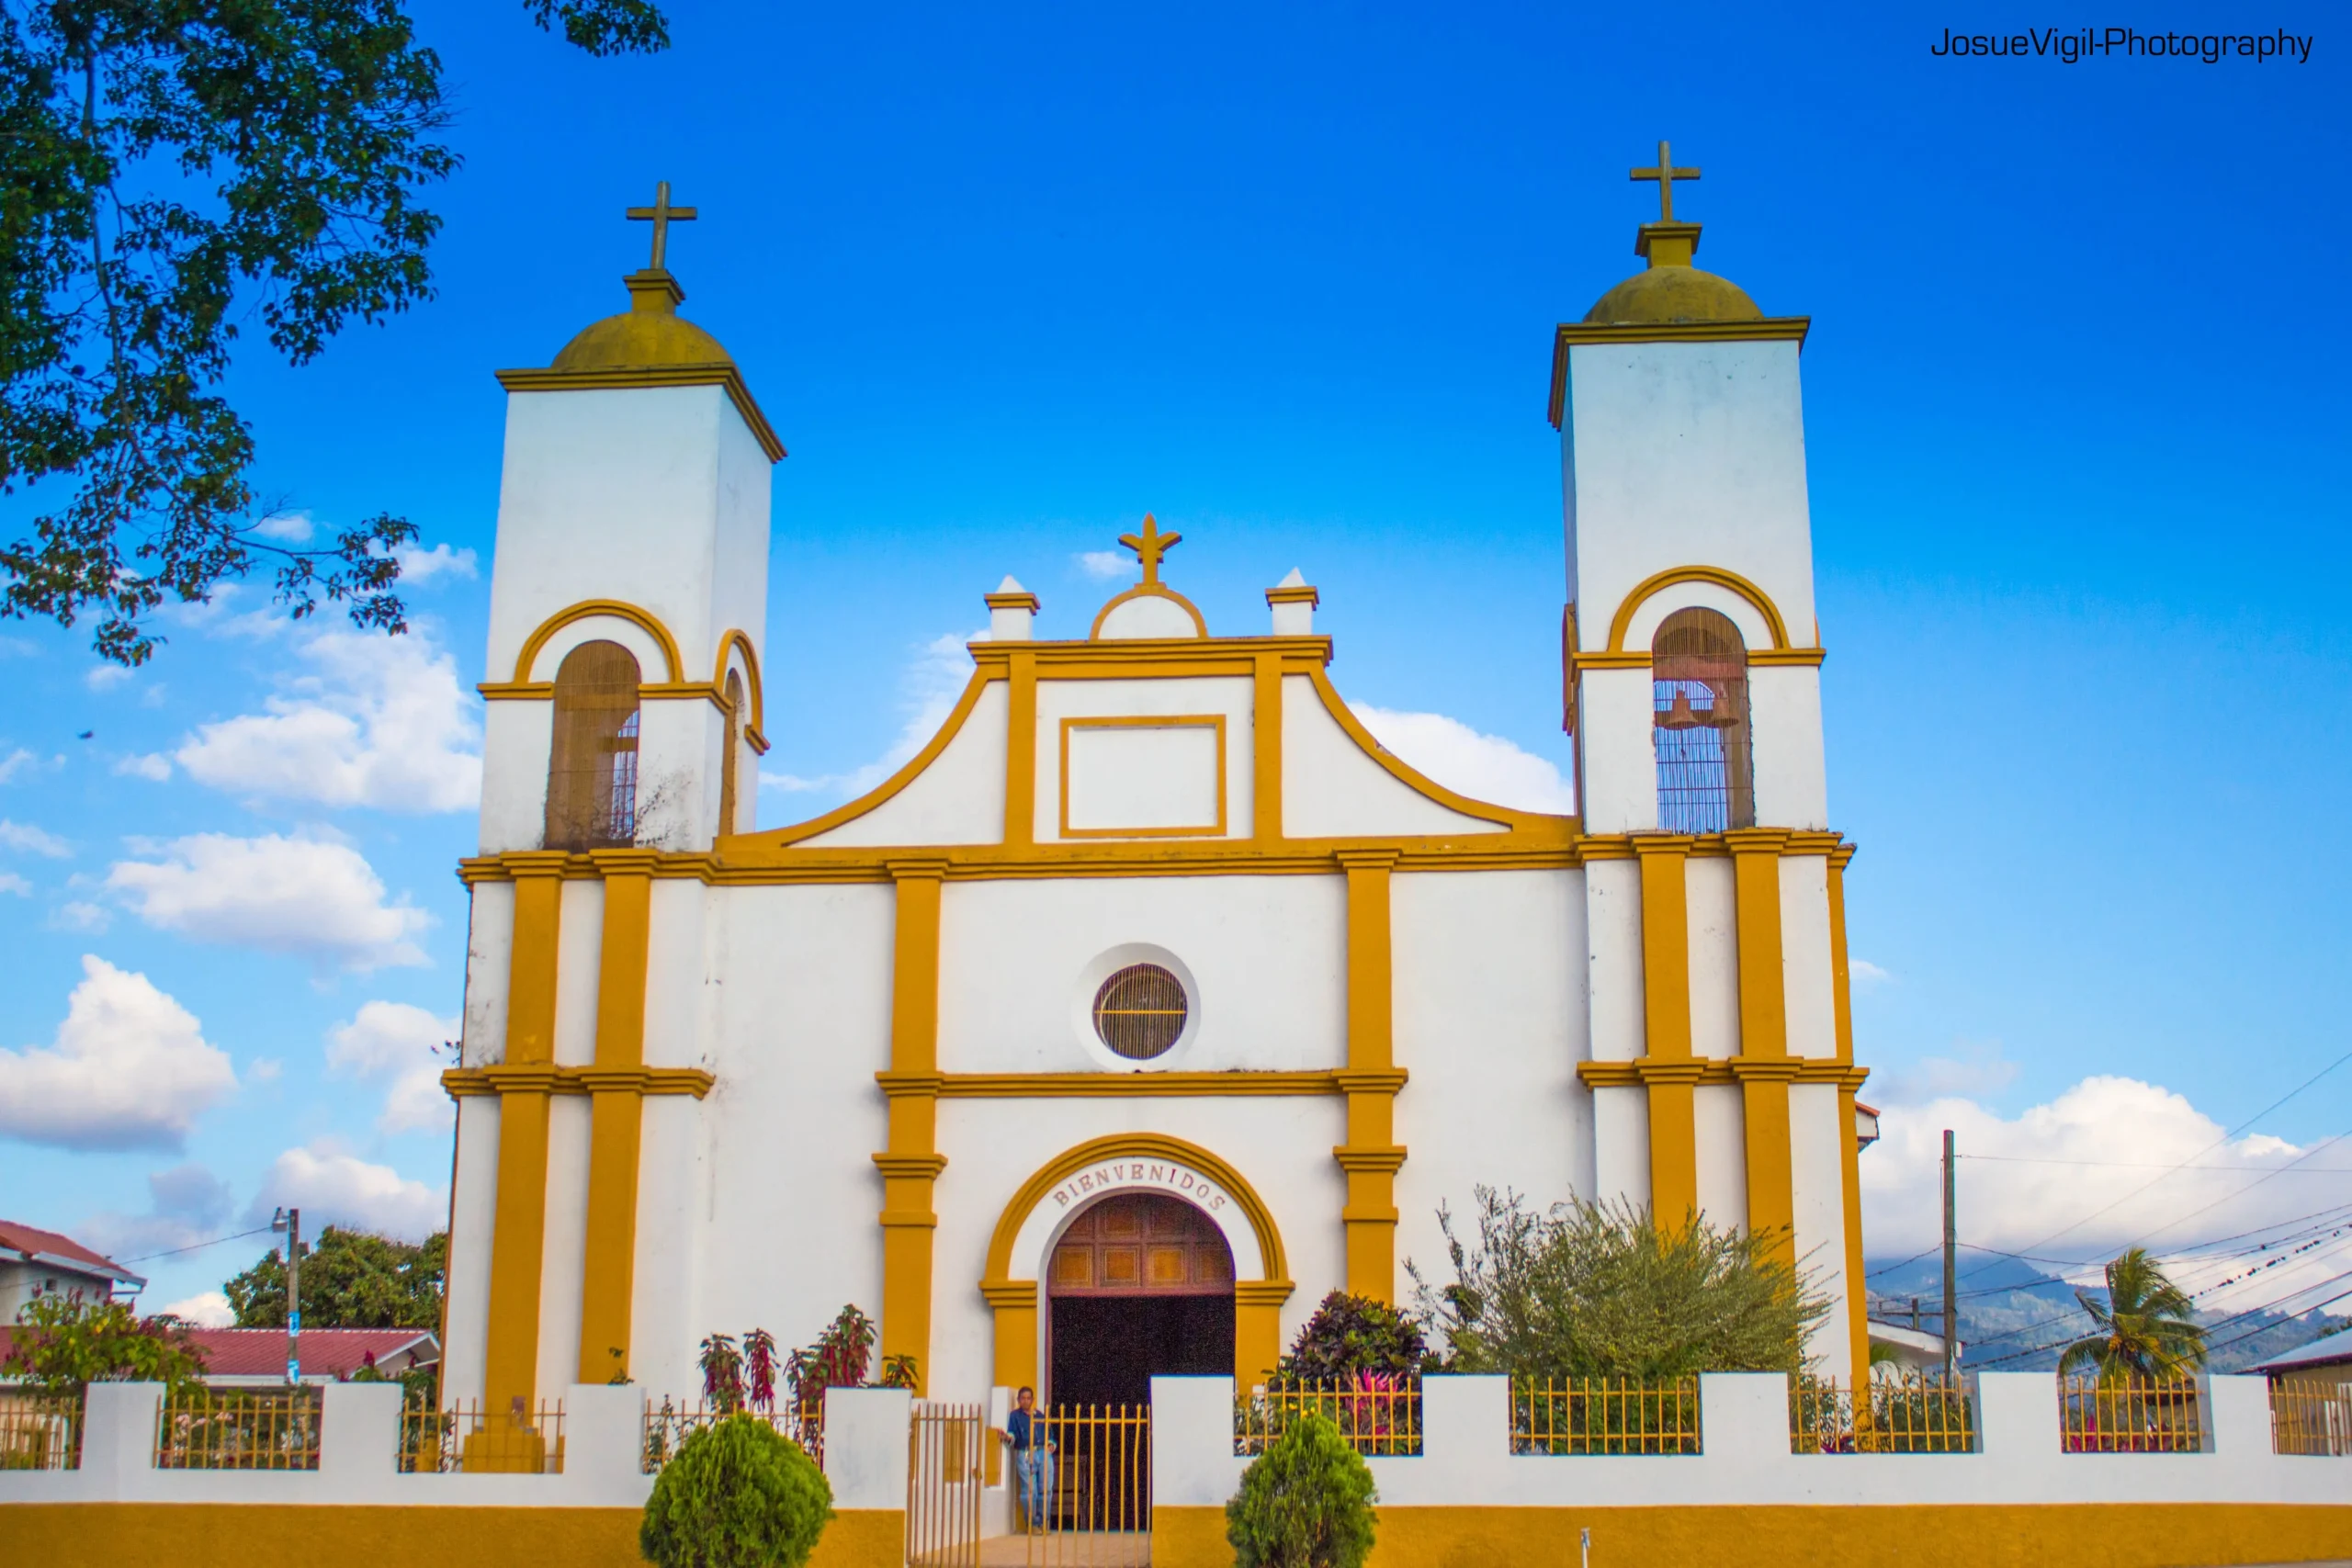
(943, 1479)
(1089, 1504)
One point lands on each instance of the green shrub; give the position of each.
(1349, 1335)
(1304, 1503)
(738, 1495)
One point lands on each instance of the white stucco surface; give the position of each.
(1613, 959)
(1817, 1178)
(960, 799)
(1805, 981)
(1712, 894)
(1330, 789)
(1230, 699)
(564, 1246)
(580, 949)
(1719, 1113)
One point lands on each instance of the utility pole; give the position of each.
(290, 1221)
(1951, 1264)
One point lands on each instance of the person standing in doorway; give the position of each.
(1033, 1458)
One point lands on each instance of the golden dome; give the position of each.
(1672, 289)
(649, 333)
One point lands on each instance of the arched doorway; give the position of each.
(1141, 1286)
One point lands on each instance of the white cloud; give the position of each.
(77, 916)
(1867, 974)
(209, 1310)
(1483, 767)
(377, 721)
(421, 567)
(186, 1205)
(11, 883)
(2089, 1173)
(1978, 1070)
(106, 677)
(334, 1187)
(15, 763)
(396, 1042)
(264, 1070)
(1103, 564)
(928, 692)
(288, 528)
(129, 1069)
(153, 765)
(32, 840)
(308, 896)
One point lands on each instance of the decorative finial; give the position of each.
(1665, 173)
(661, 215)
(1150, 545)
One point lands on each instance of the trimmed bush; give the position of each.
(1304, 1503)
(739, 1494)
(1351, 1334)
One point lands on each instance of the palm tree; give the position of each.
(2146, 1330)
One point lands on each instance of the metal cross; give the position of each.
(1150, 545)
(1665, 173)
(661, 215)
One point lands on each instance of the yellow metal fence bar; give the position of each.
(1095, 1477)
(41, 1430)
(1376, 1414)
(1907, 1414)
(670, 1423)
(1604, 1416)
(205, 1428)
(2130, 1415)
(2311, 1421)
(517, 1440)
(944, 1485)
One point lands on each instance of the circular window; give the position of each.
(1140, 1010)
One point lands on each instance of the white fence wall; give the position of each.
(1465, 1459)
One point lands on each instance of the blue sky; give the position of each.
(1004, 282)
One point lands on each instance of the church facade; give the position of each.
(1153, 998)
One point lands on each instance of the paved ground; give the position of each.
(1076, 1548)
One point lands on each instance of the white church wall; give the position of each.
(666, 1271)
(489, 958)
(517, 737)
(1268, 956)
(1805, 980)
(1712, 893)
(591, 479)
(652, 664)
(1641, 627)
(739, 596)
(1330, 789)
(580, 955)
(960, 799)
(1612, 926)
(1616, 759)
(1621, 1142)
(1688, 454)
(1229, 699)
(473, 1211)
(1281, 1146)
(1719, 1117)
(677, 774)
(1792, 789)
(679, 960)
(563, 1246)
(1490, 1022)
(1816, 1169)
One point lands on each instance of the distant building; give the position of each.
(42, 1263)
(2323, 1366)
(1911, 1348)
(255, 1358)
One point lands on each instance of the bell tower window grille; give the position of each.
(1699, 726)
(591, 765)
(1139, 1012)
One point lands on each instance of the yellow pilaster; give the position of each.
(1850, 1157)
(1670, 1074)
(1371, 1157)
(616, 1116)
(518, 1234)
(911, 1166)
(1257, 1329)
(1763, 1066)
(1016, 1305)
(1266, 748)
(1020, 750)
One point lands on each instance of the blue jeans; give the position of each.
(1033, 1470)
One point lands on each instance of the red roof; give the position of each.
(31, 1240)
(326, 1352)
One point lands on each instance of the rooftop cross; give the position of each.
(1665, 173)
(1150, 545)
(661, 215)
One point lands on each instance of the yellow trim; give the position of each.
(1763, 1033)
(1420, 782)
(1841, 984)
(631, 378)
(586, 608)
(1144, 590)
(1649, 586)
(1142, 1085)
(1849, 1181)
(1257, 1304)
(1214, 721)
(1666, 1012)
(1020, 752)
(1266, 749)
(1762, 658)
(1371, 1157)
(912, 1165)
(1720, 1070)
(1304, 593)
(608, 1269)
(884, 791)
(463, 1083)
(1770, 329)
(1024, 600)
(734, 638)
(519, 1226)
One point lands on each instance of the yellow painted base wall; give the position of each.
(239, 1535)
(2080, 1535)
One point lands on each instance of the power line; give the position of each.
(194, 1246)
(2149, 1164)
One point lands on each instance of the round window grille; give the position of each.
(1140, 1010)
